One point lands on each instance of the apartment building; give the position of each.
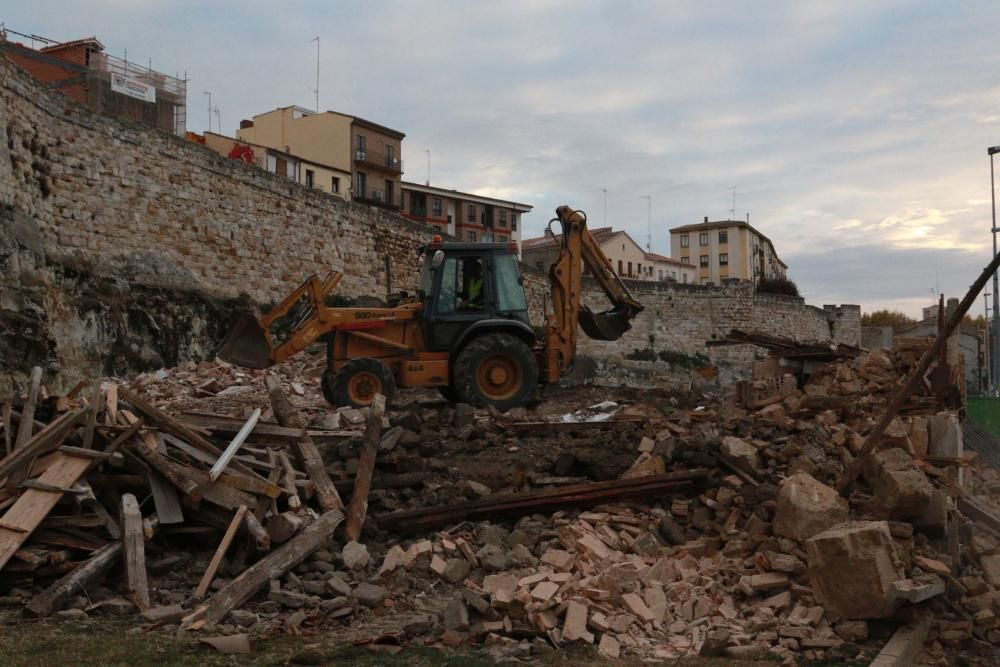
(352, 156)
(465, 216)
(726, 249)
(626, 256)
(81, 70)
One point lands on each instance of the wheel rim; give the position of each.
(363, 386)
(499, 377)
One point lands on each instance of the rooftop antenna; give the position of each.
(605, 191)
(732, 211)
(649, 222)
(209, 93)
(218, 117)
(316, 89)
(428, 151)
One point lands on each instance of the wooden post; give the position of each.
(294, 502)
(916, 377)
(95, 407)
(49, 601)
(42, 442)
(234, 446)
(134, 544)
(272, 566)
(288, 416)
(366, 468)
(220, 551)
(28, 412)
(261, 539)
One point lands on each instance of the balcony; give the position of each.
(377, 197)
(382, 161)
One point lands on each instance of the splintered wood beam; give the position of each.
(272, 566)
(52, 598)
(95, 407)
(28, 411)
(306, 449)
(220, 552)
(42, 442)
(547, 501)
(134, 543)
(234, 446)
(358, 508)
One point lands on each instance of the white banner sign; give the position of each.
(132, 88)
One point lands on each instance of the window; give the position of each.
(619, 267)
(362, 151)
(471, 213)
(390, 192)
(310, 176)
(502, 238)
(685, 277)
(334, 184)
(503, 217)
(390, 156)
(703, 260)
(685, 241)
(462, 285)
(723, 236)
(513, 222)
(723, 259)
(630, 269)
(703, 238)
(510, 294)
(435, 206)
(470, 236)
(661, 274)
(685, 260)
(362, 186)
(639, 269)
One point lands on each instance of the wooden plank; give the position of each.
(251, 484)
(272, 566)
(111, 404)
(173, 472)
(7, 440)
(50, 600)
(45, 440)
(306, 449)
(234, 446)
(28, 411)
(165, 499)
(358, 508)
(34, 505)
(270, 433)
(134, 543)
(95, 407)
(220, 552)
(288, 481)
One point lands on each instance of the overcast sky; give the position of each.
(855, 132)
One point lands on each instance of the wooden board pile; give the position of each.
(76, 466)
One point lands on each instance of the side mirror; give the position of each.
(437, 260)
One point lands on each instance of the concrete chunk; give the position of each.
(901, 489)
(852, 568)
(806, 506)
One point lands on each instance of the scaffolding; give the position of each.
(167, 113)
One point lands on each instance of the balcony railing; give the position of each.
(378, 160)
(377, 196)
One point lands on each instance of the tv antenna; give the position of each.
(649, 222)
(732, 211)
(316, 89)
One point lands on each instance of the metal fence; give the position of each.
(167, 113)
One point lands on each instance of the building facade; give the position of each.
(83, 72)
(465, 216)
(726, 249)
(335, 144)
(627, 257)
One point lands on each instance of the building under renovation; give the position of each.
(114, 86)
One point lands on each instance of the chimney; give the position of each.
(244, 124)
(706, 218)
(549, 234)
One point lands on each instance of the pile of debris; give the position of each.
(223, 502)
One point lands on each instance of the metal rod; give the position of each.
(995, 371)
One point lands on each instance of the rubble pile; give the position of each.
(672, 526)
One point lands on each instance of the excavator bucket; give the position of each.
(246, 344)
(609, 325)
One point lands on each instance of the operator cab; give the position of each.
(470, 286)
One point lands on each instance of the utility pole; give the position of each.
(316, 89)
(209, 109)
(428, 151)
(994, 355)
(605, 191)
(986, 340)
(218, 117)
(732, 211)
(649, 222)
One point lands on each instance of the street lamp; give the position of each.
(649, 221)
(994, 370)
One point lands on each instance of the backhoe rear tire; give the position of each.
(357, 382)
(496, 369)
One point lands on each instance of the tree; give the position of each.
(888, 318)
(977, 320)
(777, 286)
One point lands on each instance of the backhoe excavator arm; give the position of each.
(580, 249)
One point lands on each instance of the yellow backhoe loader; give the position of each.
(465, 332)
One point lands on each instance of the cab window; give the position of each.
(462, 286)
(510, 293)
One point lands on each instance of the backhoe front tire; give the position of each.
(357, 382)
(495, 369)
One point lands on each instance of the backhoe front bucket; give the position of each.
(245, 344)
(609, 325)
